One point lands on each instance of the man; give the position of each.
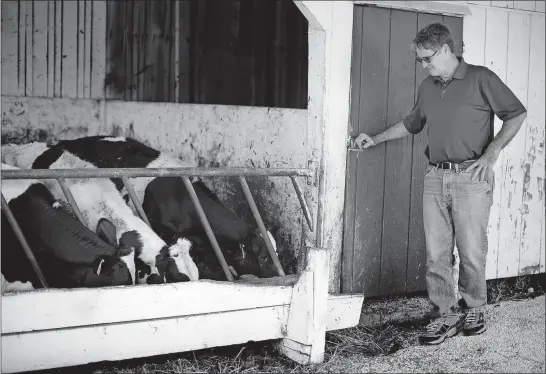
(458, 101)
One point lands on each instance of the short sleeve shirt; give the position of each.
(460, 112)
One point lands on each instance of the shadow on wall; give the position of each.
(271, 205)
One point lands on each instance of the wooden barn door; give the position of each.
(384, 246)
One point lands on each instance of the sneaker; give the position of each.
(441, 328)
(474, 322)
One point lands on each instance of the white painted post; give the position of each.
(305, 335)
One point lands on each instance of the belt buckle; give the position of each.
(451, 166)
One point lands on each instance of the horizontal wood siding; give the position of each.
(512, 45)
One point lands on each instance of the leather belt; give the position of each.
(452, 166)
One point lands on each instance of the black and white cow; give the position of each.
(170, 211)
(153, 261)
(68, 253)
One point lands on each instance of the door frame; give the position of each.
(444, 8)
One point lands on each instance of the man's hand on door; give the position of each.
(364, 141)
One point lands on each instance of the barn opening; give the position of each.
(241, 52)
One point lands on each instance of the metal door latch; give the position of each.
(351, 145)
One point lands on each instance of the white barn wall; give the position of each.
(512, 168)
(511, 43)
(336, 18)
(495, 58)
(338, 77)
(533, 182)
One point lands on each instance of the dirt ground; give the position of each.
(513, 343)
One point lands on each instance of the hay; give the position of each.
(515, 288)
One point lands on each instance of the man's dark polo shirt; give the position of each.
(460, 119)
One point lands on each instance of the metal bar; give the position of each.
(71, 200)
(261, 226)
(303, 203)
(207, 227)
(19, 234)
(134, 198)
(150, 172)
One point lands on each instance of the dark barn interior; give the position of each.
(246, 52)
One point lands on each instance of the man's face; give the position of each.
(433, 61)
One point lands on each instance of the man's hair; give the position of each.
(433, 37)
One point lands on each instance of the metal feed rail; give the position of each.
(185, 173)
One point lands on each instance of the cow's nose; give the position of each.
(176, 277)
(154, 279)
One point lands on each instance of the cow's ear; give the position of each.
(125, 251)
(107, 231)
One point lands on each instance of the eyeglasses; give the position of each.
(426, 59)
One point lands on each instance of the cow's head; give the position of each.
(114, 271)
(253, 256)
(249, 256)
(175, 263)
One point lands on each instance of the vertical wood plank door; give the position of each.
(384, 244)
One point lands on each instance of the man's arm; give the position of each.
(396, 131)
(484, 166)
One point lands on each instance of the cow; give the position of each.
(153, 261)
(68, 253)
(168, 206)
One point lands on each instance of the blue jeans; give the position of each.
(455, 208)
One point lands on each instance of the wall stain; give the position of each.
(527, 270)
(540, 184)
(26, 135)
